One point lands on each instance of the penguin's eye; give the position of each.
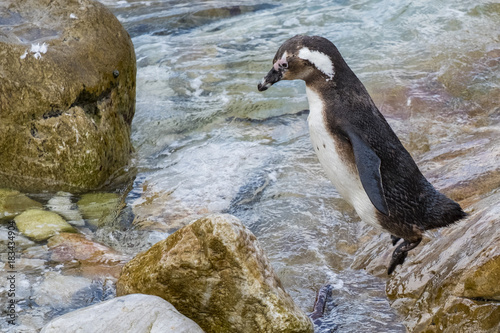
(284, 65)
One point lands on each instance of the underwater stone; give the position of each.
(94, 205)
(58, 290)
(94, 259)
(62, 205)
(13, 203)
(39, 224)
(215, 272)
(126, 314)
(65, 119)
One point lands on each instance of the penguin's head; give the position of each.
(302, 58)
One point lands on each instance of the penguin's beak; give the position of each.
(271, 78)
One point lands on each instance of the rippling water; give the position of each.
(207, 141)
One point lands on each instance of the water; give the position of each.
(207, 141)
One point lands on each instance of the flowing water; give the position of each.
(206, 141)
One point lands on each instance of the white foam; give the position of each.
(320, 60)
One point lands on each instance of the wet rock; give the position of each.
(127, 314)
(14, 202)
(452, 281)
(58, 290)
(215, 272)
(40, 224)
(61, 204)
(94, 206)
(21, 242)
(65, 120)
(88, 258)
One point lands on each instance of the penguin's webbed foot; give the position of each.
(400, 253)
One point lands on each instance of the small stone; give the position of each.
(61, 204)
(93, 259)
(21, 241)
(126, 314)
(40, 224)
(58, 290)
(14, 202)
(94, 205)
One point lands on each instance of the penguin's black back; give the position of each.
(411, 200)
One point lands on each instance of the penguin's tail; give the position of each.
(444, 212)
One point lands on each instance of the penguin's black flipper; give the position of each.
(368, 164)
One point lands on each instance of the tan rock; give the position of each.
(452, 282)
(86, 257)
(40, 224)
(215, 272)
(14, 202)
(67, 95)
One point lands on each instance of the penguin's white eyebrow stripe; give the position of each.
(320, 60)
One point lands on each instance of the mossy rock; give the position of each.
(14, 202)
(67, 96)
(93, 206)
(215, 272)
(40, 225)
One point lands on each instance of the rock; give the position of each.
(58, 290)
(62, 205)
(21, 242)
(14, 202)
(215, 272)
(94, 206)
(67, 95)
(126, 314)
(91, 259)
(451, 283)
(40, 224)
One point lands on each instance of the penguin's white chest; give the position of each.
(338, 170)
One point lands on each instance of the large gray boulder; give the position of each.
(215, 272)
(67, 94)
(128, 314)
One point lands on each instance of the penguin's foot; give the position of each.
(395, 239)
(320, 304)
(400, 253)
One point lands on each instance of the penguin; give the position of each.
(358, 150)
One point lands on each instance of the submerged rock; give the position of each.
(94, 206)
(67, 95)
(90, 258)
(14, 202)
(215, 272)
(58, 290)
(40, 224)
(126, 314)
(62, 205)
